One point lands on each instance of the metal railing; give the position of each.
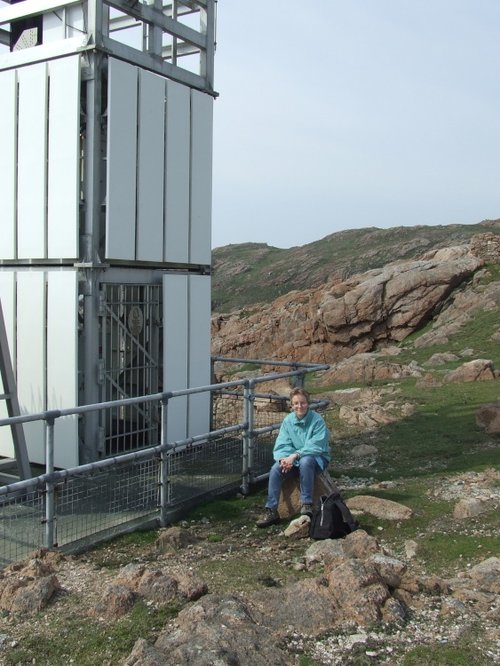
(74, 508)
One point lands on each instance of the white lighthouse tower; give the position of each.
(105, 218)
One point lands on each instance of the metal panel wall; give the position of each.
(151, 119)
(41, 315)
(62, 361)
(39, 160)
(121, 161)
(199, 353)
(64, 23)
(201, 177)
(8, 158)
(159, 169)
(31, 356)
(175, 350)
(63, 158)
(177, 173)
(32, 157)
(7, 297)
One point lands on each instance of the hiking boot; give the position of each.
(307, 510)
(268, 518)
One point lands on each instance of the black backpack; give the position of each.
(332, 519)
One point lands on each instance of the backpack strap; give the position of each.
(346, 514)
(329, 482)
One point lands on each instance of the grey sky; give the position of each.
(337, 114)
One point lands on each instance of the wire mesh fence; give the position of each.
(21, 525)
(204, 469)
(75, 508)
(106, 499)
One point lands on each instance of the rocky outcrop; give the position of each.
(342, 590)
(367, 368)
(138, 581)
(460, 309)
(28, 587)
(173, 539)
(370, 417)
(327, 324)
(289, 504)
(359, 584)
(249, 273)
(217, 630)
(468, 507)
(479, 370)
(441, 358)
(486, 246)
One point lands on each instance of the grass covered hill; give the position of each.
(250, 273)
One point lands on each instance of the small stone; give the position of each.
(411, 548)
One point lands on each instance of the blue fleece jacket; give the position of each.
(308, 436)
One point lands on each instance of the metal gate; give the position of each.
(130, 362)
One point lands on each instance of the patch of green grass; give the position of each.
(215, 538)
(79, 642)
(425, 512)
(139, 538)
(245, 314)
(441, 435)
(304, 660)
(244, 574)
(441, 552)
(445, 544)
(231, 510)
(468, 650)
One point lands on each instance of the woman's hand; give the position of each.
(286, 464)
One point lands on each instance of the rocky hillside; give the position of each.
(367, 311)
(252, 273)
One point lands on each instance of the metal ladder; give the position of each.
(11, 469)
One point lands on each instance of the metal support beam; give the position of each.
(153, 15)
(10, 396)
(93, 166)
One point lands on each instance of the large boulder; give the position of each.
(486, 575)
(289, 504)
(326, 324)
(479, 370)
(379, 507)
(217, 630)
(358, 589)
(469, 507)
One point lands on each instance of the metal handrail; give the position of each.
(163, 451)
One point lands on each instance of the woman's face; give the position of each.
(300, 406)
